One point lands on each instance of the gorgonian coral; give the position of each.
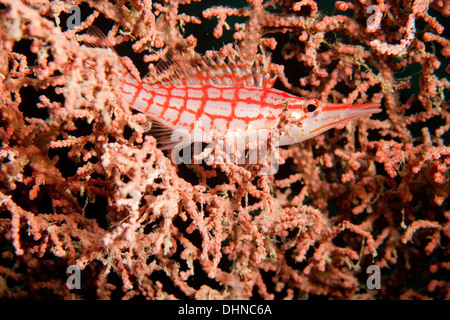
(83, 183)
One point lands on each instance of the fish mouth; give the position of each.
(335, 114)
(345, 113)
(368, 107)
(359, 110)
(353, 110)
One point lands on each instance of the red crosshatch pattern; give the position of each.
(181, 107)
(235, 99)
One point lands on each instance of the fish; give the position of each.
(233, 98)
(198, 100)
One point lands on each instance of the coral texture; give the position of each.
(83, 183)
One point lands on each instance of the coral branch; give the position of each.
(83, 183)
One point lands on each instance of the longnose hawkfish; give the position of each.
(229, 96)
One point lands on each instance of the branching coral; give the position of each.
(83, 183)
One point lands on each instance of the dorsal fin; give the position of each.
(99, 38)
(101, 41)
(177, 69)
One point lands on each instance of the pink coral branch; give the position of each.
(83, 180)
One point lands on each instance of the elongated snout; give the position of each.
(351, 110)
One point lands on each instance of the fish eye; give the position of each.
(312, 107)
